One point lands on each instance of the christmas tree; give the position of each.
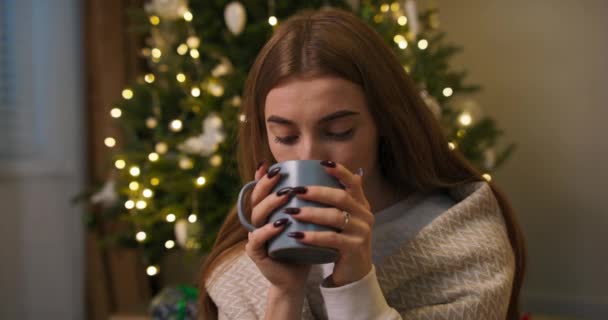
(174, 176)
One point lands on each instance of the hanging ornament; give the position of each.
(187, 233)
(207, 142)
(167, 9)
(107, 196)
(412, 16)
(489, 159)
(223, 68)
(235, 17)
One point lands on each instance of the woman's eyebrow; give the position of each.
(327, 118)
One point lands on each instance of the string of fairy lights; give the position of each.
(141, 192)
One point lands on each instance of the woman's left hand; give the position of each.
(354, 241)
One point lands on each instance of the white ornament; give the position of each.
(235, 17)
(167, 9)
(107, 196)
(223, 68)
(489, 158)
(207, 142)
(186, 233)
(412, 16)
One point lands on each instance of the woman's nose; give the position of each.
(312, 150)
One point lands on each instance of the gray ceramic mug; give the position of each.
(295, 173)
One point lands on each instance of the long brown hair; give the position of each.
(412, 146)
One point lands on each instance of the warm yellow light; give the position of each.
(385, 7)
(176, 125)
(216, 160)
(129, 204)
(134, 171)
(151, 123)
(242, 118)
(452, 145)
(423, 44)
(465, 119)
(169, 244)
(154, 20)
(188, 16)
(161, 148)
(153, 156)
(460, 133)
(403, 44)
(378, 18)
(109, 142)
(127, 94)
(195, 92)
(147, 193)
(182, 49)
(193, 42)
(115, 113)
(487, 176)
(155, 181)
(398, 38)
(192, 218)
(402, 20)
(201, 181)
(194, 53)
(448, 91)
(141, 204)
(395, 7)
(185, 163)
(120, 164)
(180, 77)
(156, 53)
(141, 236)
(149, 78)
(273, 21)
(170, 217)
(134, 185)
(215, 89)
(152, 271)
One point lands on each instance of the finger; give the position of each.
(329, 239)
(330, 217)
(353, 183)
(261, 170)
(336, 198)
(260, 213)
(256, 246)
(265, 185)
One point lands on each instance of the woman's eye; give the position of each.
(286, 140)
(341, 135)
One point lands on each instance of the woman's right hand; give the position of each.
(288, 278)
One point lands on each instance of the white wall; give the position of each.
(41, 234)
(544, 68)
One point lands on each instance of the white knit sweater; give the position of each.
(435, 257)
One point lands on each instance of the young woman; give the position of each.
(423, 235)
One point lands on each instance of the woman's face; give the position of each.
(321, 118)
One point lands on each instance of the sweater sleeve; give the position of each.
(362, 299)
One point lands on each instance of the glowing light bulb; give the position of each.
(161, 148)
(120, 164)
(151, 123)
(170, 217)
(451, 145)
(129, 204)
(185, 163)
(152, 271)
(395, 7)
(134, 185)
(194, 53)
(423, 44)
(215, 89)
(192, 218)
(169, 244)
(403, 44)
(385, 7)
(156, 53)
(398, 38)
(147, 193)
(272, 21)
(242, 118)
(109, 142)
(180, 77)
(402, 20)
(188, 16)
(149, 78)
(127, 94)
(155, 181)
(216, 160)
(448, 91)
(153, 156)
(134, 171)
(182, 49)
(115, 113)
(201, 181)
(195, 92)
(141, 236)
(193, 42)
(176, 125)
(487, 176)
(154, 20)
(141, 204)
(465, 119)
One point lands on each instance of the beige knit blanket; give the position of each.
(460, 266)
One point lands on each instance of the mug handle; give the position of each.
(239, 206)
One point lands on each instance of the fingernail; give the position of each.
(280, 222)
(296, 235)
(291, 210)
(273, 172)
(260, 164)
(328, 163)
(360, 172)
(283, 191)
(299, 190)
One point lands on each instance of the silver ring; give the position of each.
(346, 219)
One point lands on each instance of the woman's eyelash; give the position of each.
(337, 136)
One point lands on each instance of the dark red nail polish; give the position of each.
(273, 172)
(299, 190)
(283, 191)
(296, 235)
(328, 163)
(260, 164)
(291, 210)
(280, 222)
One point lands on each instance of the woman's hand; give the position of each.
(354, 241)
(285, 278)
